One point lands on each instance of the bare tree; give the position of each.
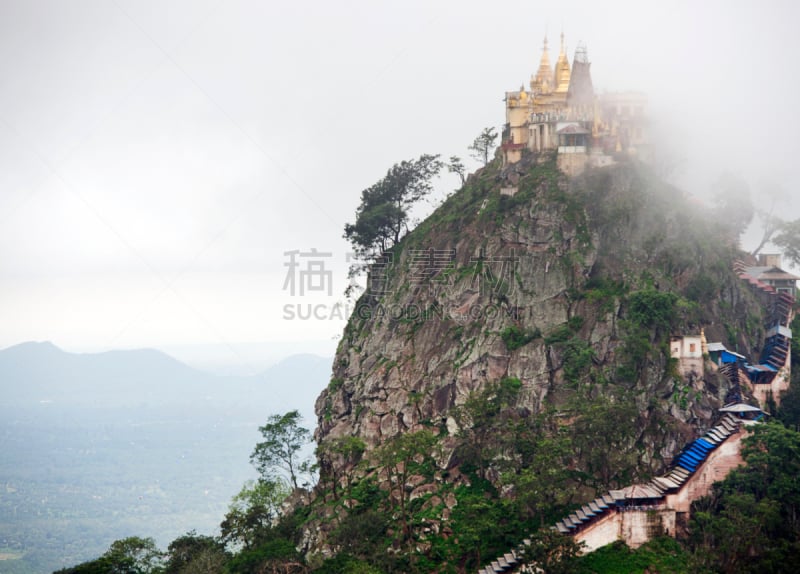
(770, 222)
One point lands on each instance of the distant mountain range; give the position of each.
(42, 373)
(100, 446)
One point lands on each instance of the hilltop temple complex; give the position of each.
(561, 112)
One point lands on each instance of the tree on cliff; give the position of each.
(788, 239)
(482, 418)
(253, 511)
(773, 196)
(133, 555)
(455, 165)
(195, 553)
(783, 234)
(401, 457)
(382, 216)
(283, 440)
(736, 210)
(483, 145)
(347, 450)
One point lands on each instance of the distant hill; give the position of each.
(35, 373)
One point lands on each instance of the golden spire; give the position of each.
(542, 82)
(562, 69)
(545, 61)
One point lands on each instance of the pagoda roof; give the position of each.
(770, 273)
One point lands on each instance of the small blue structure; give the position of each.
(722, 356)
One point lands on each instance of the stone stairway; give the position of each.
(684, 465)
(774, 357)
(778, 342)
(647, 495)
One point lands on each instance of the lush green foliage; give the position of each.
(565, 332)
(751, 523)
(347, 450)
(345, 564)
(603, 292)
(515, 337)
(194, 553)
(382, 216)
(131, 555)
(662, 555)
(789, 411)
(252, 511)
(650, 308)
(578, 355)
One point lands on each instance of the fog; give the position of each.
(159, 159)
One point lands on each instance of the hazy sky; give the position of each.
(159, 158)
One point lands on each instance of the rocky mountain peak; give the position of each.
(565, 290)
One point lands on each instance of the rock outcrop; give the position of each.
(570, 286)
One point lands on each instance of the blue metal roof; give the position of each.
(696, 450)
(701, 442)
(695, 456)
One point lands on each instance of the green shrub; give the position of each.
(515, 337)
(652, 308)
(701, 289)
(578, 357)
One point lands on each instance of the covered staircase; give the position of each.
(651, 495)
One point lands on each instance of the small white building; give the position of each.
(688, 350)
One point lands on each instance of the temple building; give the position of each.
(561, 112)
(768, 270)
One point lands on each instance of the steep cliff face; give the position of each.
(571, 287)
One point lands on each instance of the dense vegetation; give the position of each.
(515, 477)
(381, 527)
(749, 524)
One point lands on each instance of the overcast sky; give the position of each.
(159, 158)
